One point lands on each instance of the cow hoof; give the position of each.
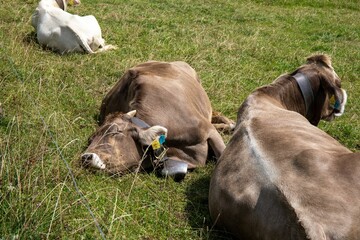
(175, 169)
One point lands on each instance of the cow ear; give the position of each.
(131, 113)
(321, 59)
(147, 136)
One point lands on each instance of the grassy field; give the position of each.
(51, 102)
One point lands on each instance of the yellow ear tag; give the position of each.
(334, 103)
(155, 144)
(332, 100)
(70, 2)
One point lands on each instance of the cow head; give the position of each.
(73, 2)
(117, 145)
(63, 3)
(329, 97)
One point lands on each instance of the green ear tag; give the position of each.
(162, 139)
(334, 103)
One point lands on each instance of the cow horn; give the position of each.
(131, 113)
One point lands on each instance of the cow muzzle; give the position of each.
(92, 160)
(341, 108)
(73, 2)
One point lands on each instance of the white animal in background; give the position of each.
(64, 32)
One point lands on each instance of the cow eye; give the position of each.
(114, 132)
(117, 131)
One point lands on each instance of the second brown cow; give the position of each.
(281, 177)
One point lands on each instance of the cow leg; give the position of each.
(216, 143)
(224, 128)
(222, 123)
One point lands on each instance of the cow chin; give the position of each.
(329, 117)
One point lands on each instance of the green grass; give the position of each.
(51, 103)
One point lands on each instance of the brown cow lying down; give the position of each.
(169, 98)
(281, 177)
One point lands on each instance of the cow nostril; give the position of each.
(92, 160)
(336, 110)
(86, 157)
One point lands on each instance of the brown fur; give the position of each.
(165, 94)
(280, 177)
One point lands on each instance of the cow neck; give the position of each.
(138, 122)
(306, 91)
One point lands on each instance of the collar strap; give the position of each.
(140, 123)
(306, 90)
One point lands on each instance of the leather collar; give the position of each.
(140, 123)
(306, 90)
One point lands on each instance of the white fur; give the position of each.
(96, 161)
(131, 113)
(65, 32)
(343, 103)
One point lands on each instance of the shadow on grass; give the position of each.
(197, 209)
(30, 38)
(4, 121)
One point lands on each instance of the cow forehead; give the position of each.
(329, 72)
(119, 125)
(111, 127)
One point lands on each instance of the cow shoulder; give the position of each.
(118, 98)
(185, 67)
